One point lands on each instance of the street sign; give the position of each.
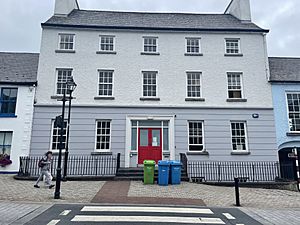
(292, 155)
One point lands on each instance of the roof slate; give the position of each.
(283, 69)
(18, 67)
(146, 20)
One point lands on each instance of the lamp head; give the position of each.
(71, 85)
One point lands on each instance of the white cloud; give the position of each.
(20, 19)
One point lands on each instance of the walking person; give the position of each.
(44, 164)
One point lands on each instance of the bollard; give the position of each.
(237, 193)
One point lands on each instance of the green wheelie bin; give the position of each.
(149, 167)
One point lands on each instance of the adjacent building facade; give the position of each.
(154, 85)
(285, 80)
(18, 73)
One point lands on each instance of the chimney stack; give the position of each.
(239, 9)
(65, 7)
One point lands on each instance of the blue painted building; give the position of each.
(285, 80)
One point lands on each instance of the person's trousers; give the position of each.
(48, 177)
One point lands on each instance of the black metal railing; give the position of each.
(98, 165)
(220, 171)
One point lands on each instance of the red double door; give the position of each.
(149, 144)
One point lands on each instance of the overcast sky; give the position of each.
(21, 31)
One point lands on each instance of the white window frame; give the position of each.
(110, 125)
(56, 80)
(188, 136)
(187, 73)
(241, 81)
(156, 78)
(287, 108)
(246, 135)
(51, 140)
(59, 42)
(150, 37)
(186, 45)
(107, 36)
(113, 75)
(239, 46)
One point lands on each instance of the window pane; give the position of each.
(150, 44)
(166, 138)
(193, 84)
(238, 136)
(66, 41)
(234, 85)
(195, 136)
(156, 137)
(103, 135)
(294, 111)
(143, 137)
(150, 123)
(133, 138)
(149, 84)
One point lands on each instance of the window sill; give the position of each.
(56, 152)
(104, 52)
(194, 99)
(101, 153)
(149, 99)
(104, 98)
(193, 54)
(64, 51)
(8, 116)
(293, 134)
(150, 53)
(59, 97)
(240, 153)
(198, 153)
(234, 55)
(236, 100)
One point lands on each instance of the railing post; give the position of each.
(21, 173)
(118, 161)
(237, 192)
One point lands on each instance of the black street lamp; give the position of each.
(71, 86)
(59, 122)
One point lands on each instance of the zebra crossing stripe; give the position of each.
(147, 219)
(65, 212)
(228, 216)
(53, 222)
(146, 209)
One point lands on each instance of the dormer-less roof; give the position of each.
(152, 21)
(284, 69)
(18, 68)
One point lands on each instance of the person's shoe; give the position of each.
(51, 186)
(36, 186)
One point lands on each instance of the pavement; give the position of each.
(20, 202)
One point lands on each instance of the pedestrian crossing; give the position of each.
(149, 215)
(71, 214)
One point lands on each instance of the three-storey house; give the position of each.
(154, 85)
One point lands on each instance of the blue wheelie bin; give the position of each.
(175, 172)
(163, 172)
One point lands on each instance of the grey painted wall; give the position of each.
(217, 133)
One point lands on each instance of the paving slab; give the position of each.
(16, 213)
(117, 192)
(71, 191)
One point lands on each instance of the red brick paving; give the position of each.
(117, 192)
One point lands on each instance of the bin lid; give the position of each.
(149, 162)
(163, 163)
(175, 163)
